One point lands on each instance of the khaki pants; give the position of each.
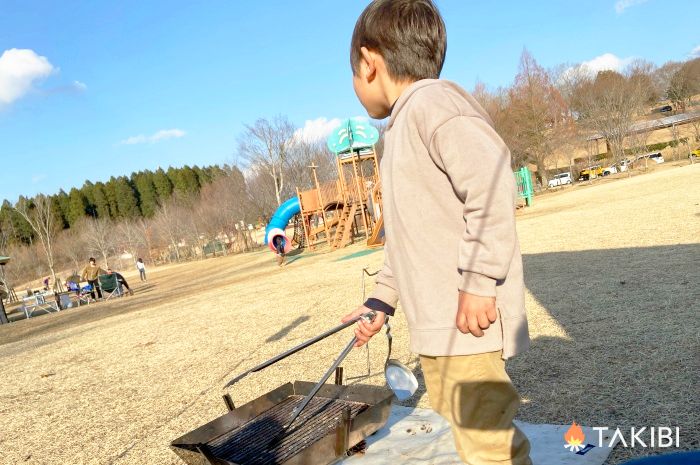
(475, 395)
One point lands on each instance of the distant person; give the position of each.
(278, 243)
(142, 269)
(90, 274)
(46, 281)
(121, 280)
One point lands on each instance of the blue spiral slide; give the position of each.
(279, 221)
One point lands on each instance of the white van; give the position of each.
(560, 180)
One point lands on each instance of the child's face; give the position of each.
(368, 87)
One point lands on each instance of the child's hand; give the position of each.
(475, 313)
(365, 330)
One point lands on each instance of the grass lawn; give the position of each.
(612, 277)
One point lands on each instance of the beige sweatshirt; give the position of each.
(91, 273)
(449, 216)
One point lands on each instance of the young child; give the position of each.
(142, 269)
(452, 255)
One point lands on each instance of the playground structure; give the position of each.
(337, 211)
(523, 179)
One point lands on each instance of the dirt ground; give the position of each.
(612, 292)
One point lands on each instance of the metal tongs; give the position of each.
(369, 316)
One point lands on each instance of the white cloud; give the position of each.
(80, 86)
(604, 62)
(622, 5)
(695, 53)
(19, 70)
(163, 134)
(316, 129)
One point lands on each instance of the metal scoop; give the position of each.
(399, 377)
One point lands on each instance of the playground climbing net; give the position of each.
(299, 237)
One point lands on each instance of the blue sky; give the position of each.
(96, 89)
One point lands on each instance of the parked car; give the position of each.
(665, 109)
(657, 157)
(612, 169)
(591, 172)
(560, 180)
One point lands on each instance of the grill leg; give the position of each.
(339, 376)
(229, 402)
(342, 433)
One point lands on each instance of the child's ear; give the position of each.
(369, 63)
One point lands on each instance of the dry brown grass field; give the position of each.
(612, 275)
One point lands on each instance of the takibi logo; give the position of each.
(574, 438)
(645, 436)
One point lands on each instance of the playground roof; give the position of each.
(653, 125)
(351, 134)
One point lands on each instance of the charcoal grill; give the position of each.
(337, 419)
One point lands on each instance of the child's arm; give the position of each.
(385, 295)
(383, 300)
(477, 162)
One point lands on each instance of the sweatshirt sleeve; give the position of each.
(385, 295)
(477, 162)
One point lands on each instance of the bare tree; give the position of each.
(684, 84)
(497, 105)
(100, 237)
(608, 104)
(302, 155)
(638, 144)
(222, 204)
(537, 111)
(265, 147)
(40, 215)
(640, 76)
(191, 226)
(71, 246)
(23, 267)
(696, 127)
(146, 229)
(130, 238)
(661, 77)
(169, 228)
(677, 141)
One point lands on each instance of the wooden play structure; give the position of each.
(337, 211)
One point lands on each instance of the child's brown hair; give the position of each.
(409, 35)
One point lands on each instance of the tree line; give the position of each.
(545, 113)
(163, 215)
(136, 196)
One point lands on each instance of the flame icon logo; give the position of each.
(574, 438)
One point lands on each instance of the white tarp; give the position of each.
(414, 436)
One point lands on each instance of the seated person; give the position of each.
(73, 287)
(120, 280)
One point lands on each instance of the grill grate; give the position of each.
(249, 444)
